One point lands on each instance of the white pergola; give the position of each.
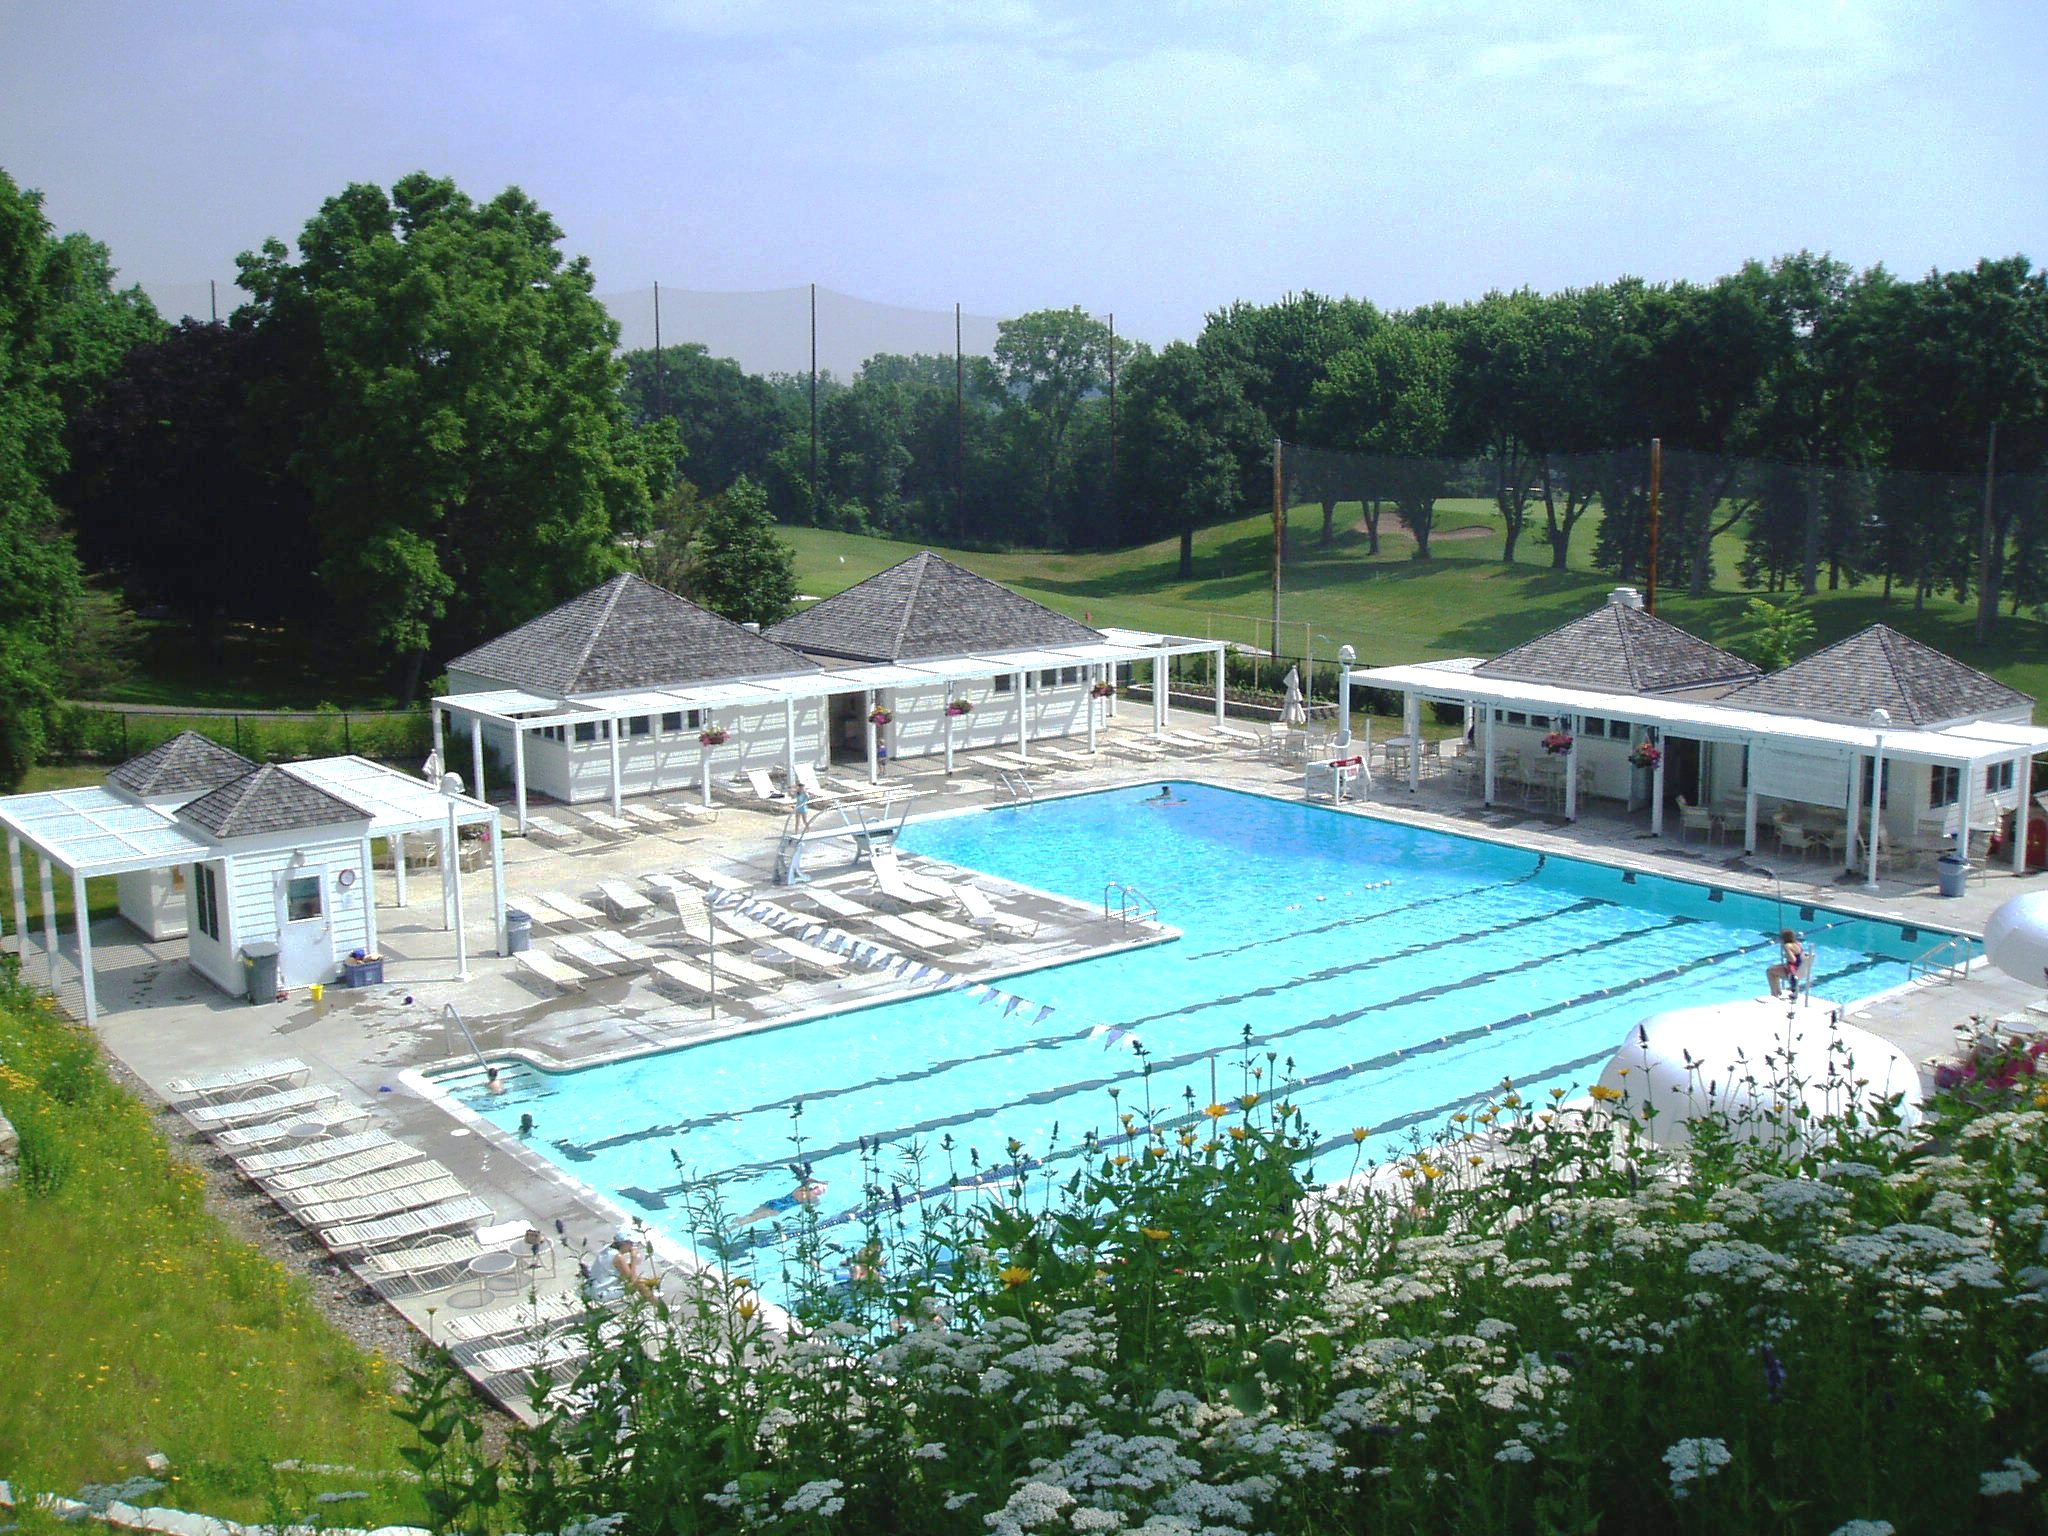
(401, 806)
(87, 833)
(1970, 747)
(519, 711)
(90, 832)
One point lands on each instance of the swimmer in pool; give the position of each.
(809, 1191)
(1166, 796)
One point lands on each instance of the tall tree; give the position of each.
(1048, 363)
(1391, 397)
(730, 421)
(737, 564)
(456, 416)
(62, 326)
(1192, 441)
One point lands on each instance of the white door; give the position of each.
(305, 941)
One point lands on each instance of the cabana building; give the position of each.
(1623, 706)
(630, 689)
(209, 847)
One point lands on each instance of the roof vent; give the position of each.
(752, 626)
(1627, 597)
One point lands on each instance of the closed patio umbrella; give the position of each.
(1293, 713)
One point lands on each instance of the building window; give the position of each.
(301, 898)
(1069, 676)
(672, 723)
(1049, 677)
(1943, 786)
(205, 901)
(586, 730)
(1594, 726)
(1998, 778)
(639, 725)
(1004, 682)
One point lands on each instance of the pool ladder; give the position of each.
(1016, 786)
(1130, 905)
(1949, 960)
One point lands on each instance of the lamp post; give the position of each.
(1345, 657)
(1879, 719)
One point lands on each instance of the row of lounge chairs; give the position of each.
(566, 826)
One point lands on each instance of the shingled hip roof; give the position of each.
(1620, 649)
(269, 800)
(627, 633)
(1879, 668)
(187, 764)
(927, 607)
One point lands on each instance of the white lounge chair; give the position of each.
(940, 928)
(354, 1236)
(626, 904)
(570, 908)
(272, 1106)
(736, 969)
(583, 950)
(717, 880)
(526, 1316)
(682, 974)
(690, 811)
(327, 1118)
(547, 968)
(553, 831)
(904, 934)
(985, 913)
(1072, 758)
(1240, 738)
(429, 1256)
(764, 789)
(834, 905)
(1130, 746)
(899, 884)
(607, 823)
(537, 907)
(241, 1082)
(390, 1154)
(630, 950)
(375, 1185)
(649, 816)
(378, 1207)
(262, 1165)
(797, 951)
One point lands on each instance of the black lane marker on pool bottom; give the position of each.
(1361, 918)
(585, 1151)
(1337, 1074)
(1054, 1095)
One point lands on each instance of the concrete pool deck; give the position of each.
(379, 1045)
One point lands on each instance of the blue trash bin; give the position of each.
(1954, 873)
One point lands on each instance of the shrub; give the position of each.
(46, 1159)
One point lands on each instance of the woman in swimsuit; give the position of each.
(1791, 954)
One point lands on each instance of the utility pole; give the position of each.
(1656, 488)
(213, 299)
(814, 403)
(1279, 541)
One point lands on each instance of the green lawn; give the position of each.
(250, 668)
(136, 1323)
(1462, 602)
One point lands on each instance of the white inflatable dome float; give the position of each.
(1751, 1061)
(2016, 937)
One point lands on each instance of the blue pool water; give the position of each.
(1404, 972)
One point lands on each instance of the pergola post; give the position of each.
(369, 884)
(1109, 672)
(2023, 781)
(1657, 788)
(611, 736)
(704, 751)
(455, 874)
(476, 755)
(947, 712)
(1219, 688)
(397, 842)
(1161, 681)
(1344, 659)
(1022, 688)
(867, 706)
(1853, 816)
(518, 774)
(1748, 808)
(448, 858)
(1571, 773)
(1095, 672)
(789, 743)
(78, 912)
(1486, 796)
(1966, 806)
(49, 892)
(434, 721)
(1411, 725)
(17, 877)
(495, 827)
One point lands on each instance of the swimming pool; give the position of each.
(1403, 972)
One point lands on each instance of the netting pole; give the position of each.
(1112, 417)
(1656, 485)
(660, 379)
(213, 299)
(1279, 540)
(1987, 562)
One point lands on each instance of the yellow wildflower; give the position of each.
(1014, 1276)
(1157, 1234)
(1602, 1094)
(1215, 1111)
(1358, 1133)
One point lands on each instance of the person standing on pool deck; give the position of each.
(1790, 954)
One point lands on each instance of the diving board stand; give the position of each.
(866, 825)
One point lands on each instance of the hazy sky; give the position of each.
(1152, 160)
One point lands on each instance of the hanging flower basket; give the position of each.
(1557, 743)
(712, 736)
(960, 707)
(879, 717)
(1645, 754)
(1102, 691)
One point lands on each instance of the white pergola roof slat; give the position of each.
(95, 832)
(394, 801)
(1965, 744)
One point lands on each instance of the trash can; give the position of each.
(1955, 869)
(259, 965)
(518, 931)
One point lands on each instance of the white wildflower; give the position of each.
(821, 1497)
(2011, 1477)
(1514, 1450)
(1031, 1508)
(1864, 1528)
(933, 1451)
(1693, 1460)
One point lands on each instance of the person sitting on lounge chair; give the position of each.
(808, 1191)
